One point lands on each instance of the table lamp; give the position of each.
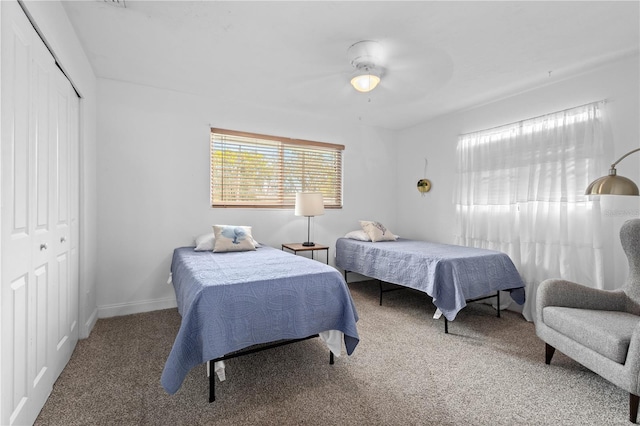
(309, 204)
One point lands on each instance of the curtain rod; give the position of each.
(603, 101)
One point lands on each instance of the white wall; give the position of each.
(432, 217)
(52, 22)
(153, 174)
(153, 185)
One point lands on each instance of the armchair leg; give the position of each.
(633, 407)
(548, 353)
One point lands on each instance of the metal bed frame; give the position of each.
(212, 380)
(446, 321)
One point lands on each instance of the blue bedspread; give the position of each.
(450, 274)
(229, 301)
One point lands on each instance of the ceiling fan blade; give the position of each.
(418, 74)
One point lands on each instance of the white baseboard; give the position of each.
(120, 309)
(89, 323)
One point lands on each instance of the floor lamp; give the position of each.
(309, 204)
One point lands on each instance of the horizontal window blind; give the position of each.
(252, 170)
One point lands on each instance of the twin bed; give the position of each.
(236, 300)
(452, 275)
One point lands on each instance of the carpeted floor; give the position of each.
(405, 371)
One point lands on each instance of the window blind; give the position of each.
(252, 170)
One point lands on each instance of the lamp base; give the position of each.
(308, 244)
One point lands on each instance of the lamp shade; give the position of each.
(309, 204)
(612, 185)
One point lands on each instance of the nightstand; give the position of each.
(296, 247)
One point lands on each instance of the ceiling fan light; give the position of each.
(365, 80)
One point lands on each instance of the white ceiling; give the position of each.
(440, 56)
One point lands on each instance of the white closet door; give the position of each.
(73, 236)
(19, 284)
(39, 287)
(64, 322)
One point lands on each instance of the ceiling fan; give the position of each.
(400, 72)
(403, 70)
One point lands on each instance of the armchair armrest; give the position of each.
(556, 292)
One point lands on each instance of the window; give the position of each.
(251, 170)
(521, 190)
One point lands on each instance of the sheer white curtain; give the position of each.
(520, 191)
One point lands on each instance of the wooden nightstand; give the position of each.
(296, 247)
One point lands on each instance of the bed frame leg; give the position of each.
(498, 296)
(212, 382)
(330, 358)
(380, 285)
(446, 326)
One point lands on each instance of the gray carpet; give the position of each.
(405, 371)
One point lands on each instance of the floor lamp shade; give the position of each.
(309, 204)
(613, 184)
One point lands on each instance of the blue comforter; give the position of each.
(229, 301)
(450, 274)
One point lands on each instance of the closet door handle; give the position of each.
(43, 246)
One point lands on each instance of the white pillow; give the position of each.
(205, 242)
(359, 235)
(232, 238)
(377, 231)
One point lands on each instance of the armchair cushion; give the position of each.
(606, 332)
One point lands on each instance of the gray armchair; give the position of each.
(600, 329)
